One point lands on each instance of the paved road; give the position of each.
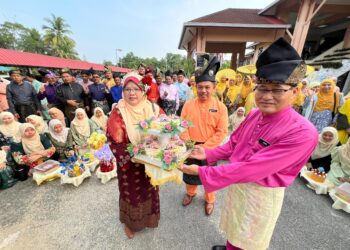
(53, 216)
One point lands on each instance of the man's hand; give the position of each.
(198, 153)
(42, 89)
(189, 169)
(165, 93)
(38, 112)
(73, 103)
(87, 108)
(17, 116)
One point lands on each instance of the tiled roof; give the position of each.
(17, 58)
(239, 16)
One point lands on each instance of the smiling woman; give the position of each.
(326, 105)
(139, 205)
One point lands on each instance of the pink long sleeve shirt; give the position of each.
(267, 150)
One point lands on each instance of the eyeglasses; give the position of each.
(274, 92)
(132, 90)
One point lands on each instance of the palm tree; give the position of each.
(56, 36)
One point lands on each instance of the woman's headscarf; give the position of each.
(344, 110)
(299, 97)
(221, 86)
(236, 120)
(12, 129)
(33, 144)
(232, 91)
(40, 124)
(324, 148)
(246, 89)
(132, 115)
(59, 114)
(239, 82)
(344, 157)
(100, 121)
(60, 137)
(325, 101)
(82, 126)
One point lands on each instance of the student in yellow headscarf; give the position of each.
(193, 87)
(221, 87)
(343, 122)
(249, 103)
(246, 88)
(298, 99)
(239, 79)
(326, 105)
(230, 95)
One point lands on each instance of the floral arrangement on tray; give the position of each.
(96, 141)
(172, 125)
(105, 156)
(169, 157)
(72, 168)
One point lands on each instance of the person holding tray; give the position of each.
(210, 127)
(265, 153)
(138, 200)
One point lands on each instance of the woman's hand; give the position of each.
(70, 152)
(2, 166)
(189, 169)
(34, 158)
(198, 153)
(5, 148)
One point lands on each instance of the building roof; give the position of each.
(230, 18)
(26, 59)
(240, 18)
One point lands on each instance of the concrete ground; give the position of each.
(55, 216)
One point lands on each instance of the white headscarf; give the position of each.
(100, 121)
(344, 157)
(82, 126)
(12, 129)
(324, 148)
(33, 144)
(40, 124)
(60, 137)
(236, 120)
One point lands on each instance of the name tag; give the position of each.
(263, 143)
(213, 110)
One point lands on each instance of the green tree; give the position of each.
(107, 62)
(56, 37)
(10, 34)
(131, 61)
(32, 41)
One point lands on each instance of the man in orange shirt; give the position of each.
(210, 126)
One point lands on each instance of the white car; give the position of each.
(5, 79)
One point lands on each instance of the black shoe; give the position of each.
(218, 247)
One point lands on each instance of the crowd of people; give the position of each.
(54, 117)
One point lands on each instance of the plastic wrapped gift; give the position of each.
(73, 173)
(105, 175)
(89, 161)
(41, 177)
(339, 202)
(96, 140)
(319, 187)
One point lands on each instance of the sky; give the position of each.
(147, 28)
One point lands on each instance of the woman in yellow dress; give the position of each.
(221, 87)
(246, 89)
(230, 95)
(343, 122)
(298, 99)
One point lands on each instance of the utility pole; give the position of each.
(116, 55)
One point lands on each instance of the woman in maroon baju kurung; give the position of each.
(138, 200)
